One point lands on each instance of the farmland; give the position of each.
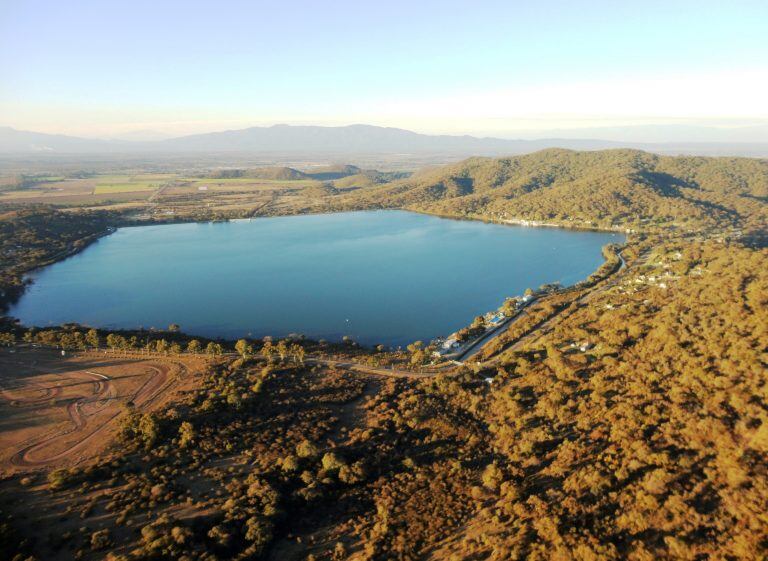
(177, 195)
(130, 184)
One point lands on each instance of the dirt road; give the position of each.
(88, 397)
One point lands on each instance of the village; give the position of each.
(458, 345)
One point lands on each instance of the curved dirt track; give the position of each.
(83, 408)
(47, 393)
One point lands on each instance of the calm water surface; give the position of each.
(386, 277)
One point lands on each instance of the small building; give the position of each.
(496, 319)
(449, 342)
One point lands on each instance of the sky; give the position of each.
(500, 68)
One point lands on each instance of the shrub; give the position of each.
(492, 476)
(332, 462)
(100, 540)
(306, 449)
(290, 464)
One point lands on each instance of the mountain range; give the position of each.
(351, 139)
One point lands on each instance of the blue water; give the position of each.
(387, 277)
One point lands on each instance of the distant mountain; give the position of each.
(23, 142)
(352, 139)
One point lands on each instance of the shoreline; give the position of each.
(87, 242)
(61, 256)
(524, 223)
(519, 222)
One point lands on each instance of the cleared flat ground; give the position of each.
(165, 194)
(59, 410)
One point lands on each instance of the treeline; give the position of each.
(69, 338)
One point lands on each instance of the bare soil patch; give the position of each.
(59, 410)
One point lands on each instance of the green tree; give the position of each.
(478, 323)
(243, 348)
(92, 338)
(194, 346)
(214, 349)
(148, 430)
(415, 347)
(258, 531)
(306, 449)
(282, 349)
(186, 434)
(267, 350)
(492, 476)
(298, 353)
(332, 461)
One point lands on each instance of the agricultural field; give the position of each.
(124, 187)
(177, 195)
(80, 191)
(130, 184)
(247, 181)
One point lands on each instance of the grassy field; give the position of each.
(121, 187)
(248, 181)
(108, 184)
(126, 187)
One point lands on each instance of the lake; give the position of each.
(389, 277)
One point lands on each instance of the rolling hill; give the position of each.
(273, 173)
(611, 188)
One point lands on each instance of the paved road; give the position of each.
(546, 326)
(540, 329)
(376, 371)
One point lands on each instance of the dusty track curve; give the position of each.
(84, 407)
(47, 393)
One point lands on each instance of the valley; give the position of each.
(622, 417)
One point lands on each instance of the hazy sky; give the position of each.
(507, 68)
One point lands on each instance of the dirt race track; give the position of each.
(60, 410)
